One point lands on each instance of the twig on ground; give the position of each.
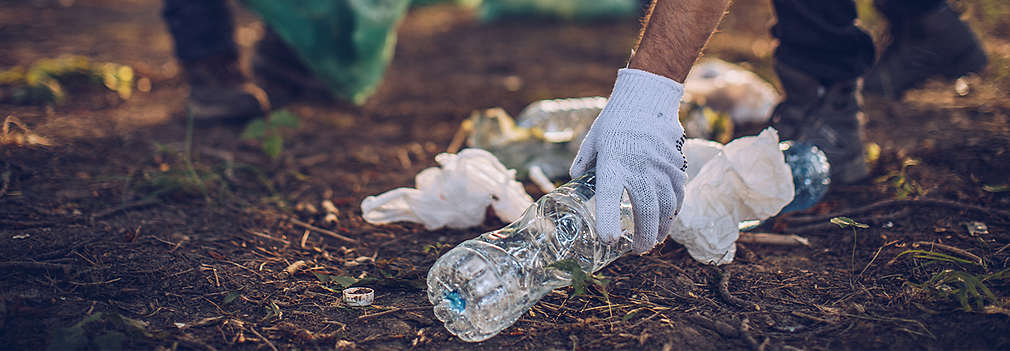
(124, 207)
(773, 239)
(745, 335)
(292, 269)
(189, 339)
(321, 230)
(828, 225)
(35, 265)
(267, 341)
(881, 248)
(97, 283)
(268, 237)
(723, 290)
(813, 318)
(391, 310)
(720, 327)
(305, 237)
(999, 214)
(364, 316)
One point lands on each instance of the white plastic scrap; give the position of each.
(456, 195)
(747, 180)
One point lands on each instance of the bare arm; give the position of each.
(674, 33)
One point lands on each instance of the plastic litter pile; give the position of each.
(546, 135)
(455, 195)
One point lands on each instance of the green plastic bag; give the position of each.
(563, 9)
(346, 43)
(463, 3)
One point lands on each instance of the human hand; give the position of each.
(635, 145)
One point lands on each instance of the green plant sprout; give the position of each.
(969, 290)
(899, 180)
(580, 280)
(846, 222)
(268, 132)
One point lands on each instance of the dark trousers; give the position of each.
(820, 37)
(200, 28)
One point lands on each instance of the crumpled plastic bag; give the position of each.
(456, 195)
(746, 179)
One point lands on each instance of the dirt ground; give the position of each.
(121, 234)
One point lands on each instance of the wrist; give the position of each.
(645, 94)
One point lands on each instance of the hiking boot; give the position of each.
(282, 74)
(829, 116)
(937, 43)
(218, 92)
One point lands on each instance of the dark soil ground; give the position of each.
(114, 225)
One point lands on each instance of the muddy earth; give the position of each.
(122, 228)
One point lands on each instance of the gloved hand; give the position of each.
(635, 144)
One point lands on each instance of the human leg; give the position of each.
(820, 57)
(202, 31)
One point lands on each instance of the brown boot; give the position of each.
(829, 116)
(935, 44)
(219, 92)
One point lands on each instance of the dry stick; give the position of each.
(321, 230)
(292, 269)
(264, 236)
(773, 239)
(378, 314)
(904, 202)
(305, 236)
(720, 327)
(35, 265)
(124, 207)
(391, 310)
(813, 318)
(881, 248)
(745, 335)
(829, 225)
(723, 289)
(253, 330)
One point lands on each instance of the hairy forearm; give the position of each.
(674, 33)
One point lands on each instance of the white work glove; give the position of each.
(635, 144)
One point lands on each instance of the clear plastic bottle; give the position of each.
(562, 120)
(484, 285)
(811, 174)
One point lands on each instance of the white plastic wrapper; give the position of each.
(456, 195)
(747, 180)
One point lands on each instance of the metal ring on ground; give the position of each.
(359, 297)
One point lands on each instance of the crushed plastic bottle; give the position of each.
(562, 120)
(811, 174)
(484, 285)
(730, 89)
(547, 134)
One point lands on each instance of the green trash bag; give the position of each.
(346, 43)
(562, 9)
(463, 3)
